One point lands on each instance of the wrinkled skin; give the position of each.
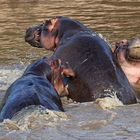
(35, 87)
(128, 56)
(97, 74)
(59, 75)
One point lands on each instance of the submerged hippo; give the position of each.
(127, 54)
(97, 74)
(38, 85)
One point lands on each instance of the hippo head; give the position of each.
(59, 75)
(127, 50)
(134, 49)
(48, 34)
(53, 71)
(39, 67)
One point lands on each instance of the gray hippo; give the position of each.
(40, 84)
(97, 73)
(127, 54)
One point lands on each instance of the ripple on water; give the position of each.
(114, 19)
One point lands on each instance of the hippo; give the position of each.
(97, 73)
(40, 84)
(127, 54)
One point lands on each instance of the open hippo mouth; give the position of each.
(33, 35)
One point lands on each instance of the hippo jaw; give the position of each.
(49, 35)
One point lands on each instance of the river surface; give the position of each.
(115, 20)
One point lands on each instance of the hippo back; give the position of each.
(97, 73)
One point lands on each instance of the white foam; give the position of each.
(109, 102)
(8, 76)
(35, 117)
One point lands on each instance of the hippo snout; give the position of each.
(32, 36)
(134, 49)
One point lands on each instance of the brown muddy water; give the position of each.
(115, 20)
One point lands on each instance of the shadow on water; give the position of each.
(87, 121)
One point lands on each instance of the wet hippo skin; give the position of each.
(32, 88)
(127, 54)
(97, 73)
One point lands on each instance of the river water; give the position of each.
(115, 20)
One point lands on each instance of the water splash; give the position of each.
(109, 102)
(34, 117)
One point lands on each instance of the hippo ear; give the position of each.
(52, 24)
